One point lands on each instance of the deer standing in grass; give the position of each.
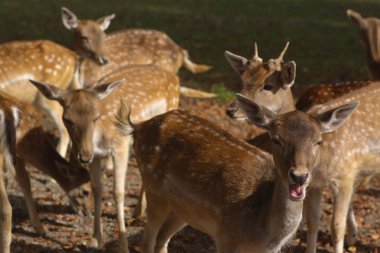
(196, 173)
(8, 122)
(348, 153)
(126, 47)
(29, 135)
(89, 117)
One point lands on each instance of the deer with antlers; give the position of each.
(349, 153)
(196, 173)
(126, 47)
(89, 117)
(29, 135)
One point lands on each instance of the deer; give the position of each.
(8, 123)
(88, 114)
(42, 60)
(356, 153)
(30, 134)
(195, 173)
(369, 28)
(125, 47)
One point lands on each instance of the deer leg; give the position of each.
(141, 204)
(157, 213)
(23, 180)
(313, 201)
(172, 224)
(351, 226)
(5, 216)
(120, 164)
(55, 111)
(96, 185)
(342, 195)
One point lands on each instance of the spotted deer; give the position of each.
(369, 29)
(121, 48)
(41, 60)
(348, 153)
(8, 122)
(198, 174)
(29, 135)
(89, 117)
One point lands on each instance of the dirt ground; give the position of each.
(69, 232)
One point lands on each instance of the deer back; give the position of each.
(354, 148)
(134, 46)
(41, 60)
(321, 93)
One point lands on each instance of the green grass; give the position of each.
(324, 43)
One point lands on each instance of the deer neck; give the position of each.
(282, 217)
(288, 103)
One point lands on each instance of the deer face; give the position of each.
(89, 35)
(80, 114)
(267, 83)
(296, 140)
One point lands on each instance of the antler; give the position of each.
(281, 56)
(256, 55)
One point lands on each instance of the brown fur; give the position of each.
(195, 173)
(354, 145)
(89, 117)
(30, 134)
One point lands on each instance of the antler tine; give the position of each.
(283, 52)
(256, 55)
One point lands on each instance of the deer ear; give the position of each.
(69, 19)
(104, 22)
(238, 63)
(357, 19)
(257, 114)
(334, 118)
(49, 91)
(104, 90)
(288, 74)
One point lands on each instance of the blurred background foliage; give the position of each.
(324, 43)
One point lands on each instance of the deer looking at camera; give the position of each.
(196, 173)
(349, 152)
(89, 117)
(126, 47)
(29, 135)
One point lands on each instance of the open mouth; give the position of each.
(238, 117)
(297, 191)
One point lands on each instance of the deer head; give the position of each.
(296, 139)
(89, 35)
(369, 30)
(80, 113)
(267, 83)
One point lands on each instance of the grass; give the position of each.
(324, 43)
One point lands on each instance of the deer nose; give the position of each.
(85, 158)
(298, 177)
(232, 109)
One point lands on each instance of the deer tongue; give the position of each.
(296, 190)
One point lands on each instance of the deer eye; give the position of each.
(84, 38)
(276, 141)
(68, 122)
(268, 87)
(96, 119)
(320, 142)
